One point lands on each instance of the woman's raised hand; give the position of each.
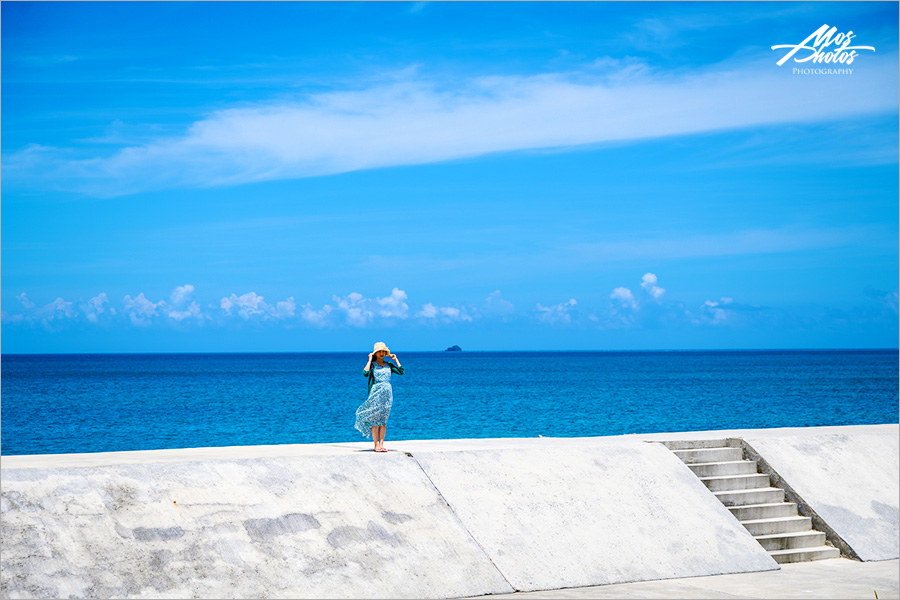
(393, 357)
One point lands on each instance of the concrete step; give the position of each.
(694, 444)
(754, 496)
(718, 469)
(737, 482)
(708, 455)
(778, 525)
(797, 539)
(804, 554)
(764, 511)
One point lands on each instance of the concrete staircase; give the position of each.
(775, 523)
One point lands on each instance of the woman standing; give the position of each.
(372, 416)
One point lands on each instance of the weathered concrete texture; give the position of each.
(852, 481)
(337, 520)
(360, 525)
(620, 510)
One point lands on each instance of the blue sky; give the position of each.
(318, 176)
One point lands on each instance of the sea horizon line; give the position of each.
(508, 351)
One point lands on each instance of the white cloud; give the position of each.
(253, 306)
(98, 303)
(57, 309)
(355, 308)
(649, 283)
(96, 306)
(319, 318)
(624, 309)
(141, 306)
(623, 296)
(714, 312)
(494, 305)
(28, 304)
(140, 310)
(429, 311)
(359, 311)
(245, 305)
(191, 311)
(285, 309)
(181, 294)
(60, 310)
(725, 311)
(179, 309)
(413, 121)
(394, 305)
(627, 310)
(560, 313)
(446, 314)
(454, 314)
(5, 317)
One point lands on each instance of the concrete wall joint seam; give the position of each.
(461, 523)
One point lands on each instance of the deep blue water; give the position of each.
(94, 403)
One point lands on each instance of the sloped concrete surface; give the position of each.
(338, 521)
(571, 516)
(352, 526)
(852, 480)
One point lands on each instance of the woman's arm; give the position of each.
(398, 369)
(394, 358)
(368, 366)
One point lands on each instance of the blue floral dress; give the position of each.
(374, 412)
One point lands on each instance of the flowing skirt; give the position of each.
(374, 412)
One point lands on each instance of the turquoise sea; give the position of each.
(106, 402)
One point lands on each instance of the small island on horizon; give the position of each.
(453, 348)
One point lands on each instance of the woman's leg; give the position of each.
(381, 431)
(375, 436)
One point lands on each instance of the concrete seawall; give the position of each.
(432, 519)
(849, 482)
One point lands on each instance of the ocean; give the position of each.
(108, 402)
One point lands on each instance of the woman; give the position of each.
(372, 416)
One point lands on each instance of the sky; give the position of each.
(315, 177)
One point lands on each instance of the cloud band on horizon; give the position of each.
(645, 306)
